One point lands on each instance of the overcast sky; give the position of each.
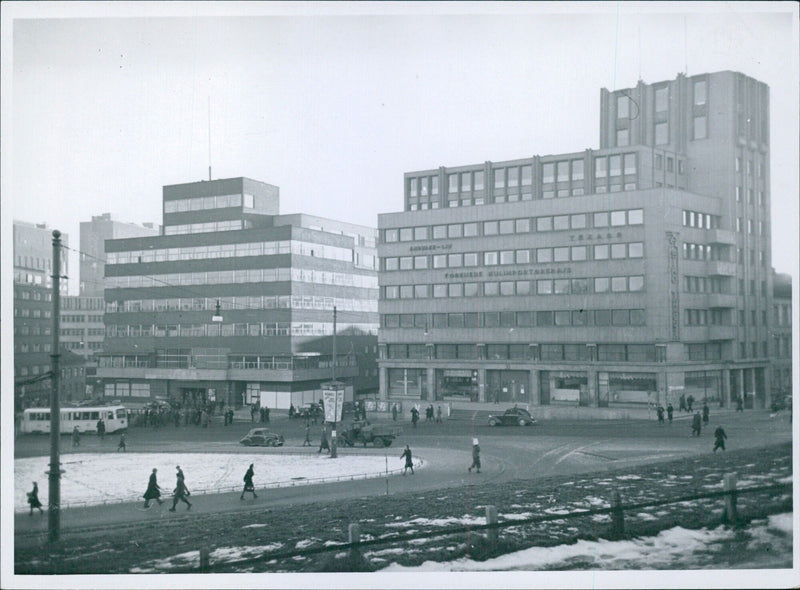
(333, 103)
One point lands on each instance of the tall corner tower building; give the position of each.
(625, 276)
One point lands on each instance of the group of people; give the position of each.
(153, 491)
(431, 417)
(262, 413)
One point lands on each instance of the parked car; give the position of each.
(262, 437)
(511, 417)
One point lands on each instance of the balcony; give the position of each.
(721, 332)
(721, 268)
(721, 236)
(721, 300)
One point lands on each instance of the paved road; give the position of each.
(508, 453)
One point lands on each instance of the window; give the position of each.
(601, 252)
(406, 234)
(548, 172)
(636, 283)
(635, 217)
(561, 222)
(454, 260)
(470, 289)
(523, 288)
(662, 133)
(466, 182)
(490, 228)
(526, 175)
(619, 284)
(421, 233)
(623, 137)
(499, 178)
(544, 255)
(452, 183)
(700, 92)
(439, 291)
(454, 230)
(522, 226)
(623, 112)
(506, 257)
(507, 288)
(617, 218)
(635, 250)
(561, 254)
(544, 287)
(630, 163)
(578, 221)
(455, 290)
(507, 226)
(471, 259)
(470, 230)
(661, 99)
(600, 167)
(440, 261)
(600, 219)
(478, 179)
(544, 224)
(670, 164)
(390, 235)
(491, 289)
(420, 291)
(615, 165)
(513, 177)
(618, 250)
(489, 258)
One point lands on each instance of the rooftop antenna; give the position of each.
(209, 137)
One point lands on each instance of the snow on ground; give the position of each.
(92, 478)
(767, 542)
(451, 520)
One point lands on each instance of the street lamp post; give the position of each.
(54, 475)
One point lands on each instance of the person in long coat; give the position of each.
(323, 441)
(180, 492)
(153, 491)
(670, 410)
(33, 499)
(76, 437)
(719, 436)
(121, 446)
(705, 413)
(696, 424)
(409, 460)
(248, 482)
(476, 456)
(394, 412)
(414, 416)
(101, 429)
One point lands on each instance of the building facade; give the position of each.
(235, 302)
(33, 320)
(627, 275)
(93, 235)
(782, 336)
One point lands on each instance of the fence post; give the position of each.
(729, 484)
(354, 536)
(492, 533)
(617, 516)
(204, 559)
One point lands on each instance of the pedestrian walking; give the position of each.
(409, 460)
(696, 423)
(476, 457)
(739, 404)
(660, 413)
(323, 441)
(33, 499)
(121, 446)
(101, 429)
(719, 439)
(439, 415)
(414, 416)
(705, 414)
(670, 410)
(180, 492)
(76, 437)
(307, 441)
(248, 483)
(689, 403)
(394, 412)
(153, 491)
(253, 411)
(266, 415)
(682, 403)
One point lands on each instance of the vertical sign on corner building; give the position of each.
(674, 286)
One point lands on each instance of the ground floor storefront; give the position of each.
(642, 385)
(200, 393)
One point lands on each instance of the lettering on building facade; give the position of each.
(431, 248)
(674, 285)
(584, 237)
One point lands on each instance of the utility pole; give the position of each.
(333, 380)
(54, 489)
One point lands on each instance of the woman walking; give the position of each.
(409, 460)
(33, 499)
(248, 483)
(180, 492)
(153, 491)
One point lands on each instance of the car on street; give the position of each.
(512, 417)
(262, 437)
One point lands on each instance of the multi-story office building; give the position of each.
(33, 320)
(276, 279)
(781, 336)
(93, 235)
(82, 328)
(625, 275)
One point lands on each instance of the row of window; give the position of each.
(244, 302)
(754, 346)
(34, 330)
(203, 203)
(748, 168)
(231, 251)
(705, 284)
(34, 262)
(66, 373)
(32, 313)
(617, 284)
(514, 319)
(700, 220)
(705, 252)
(28, 278)
(600, 219)
(750, 226)
(523, 256)
(32, 347)
(238, 329)
(33, 295)
(198, 228)
(125, 389)
(544, 352)
(750, 196)
(255, 275)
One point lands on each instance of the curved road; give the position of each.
(508, 453)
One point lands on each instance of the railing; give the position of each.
(492, 526)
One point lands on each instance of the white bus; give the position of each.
(38, 419)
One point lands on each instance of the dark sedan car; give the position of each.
(512, 417)
(262, 437)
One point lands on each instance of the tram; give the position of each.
(37, 420)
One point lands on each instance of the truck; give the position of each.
(362, 431)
